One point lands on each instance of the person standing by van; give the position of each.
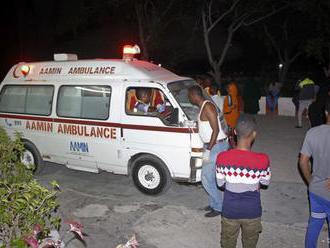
(215, 140)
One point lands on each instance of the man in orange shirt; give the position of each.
(231, 106)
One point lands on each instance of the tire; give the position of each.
(31, 158)
(150, 175)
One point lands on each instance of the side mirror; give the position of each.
(174, 118)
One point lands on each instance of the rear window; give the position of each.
(27, 99)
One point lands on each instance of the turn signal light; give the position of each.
(197, 149)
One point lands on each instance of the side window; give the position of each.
(39, 100)
(86, 102)
(34, 99)
(144, 101)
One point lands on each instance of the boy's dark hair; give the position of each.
(245, 126)
(214, 87)
(196, 90)
(327, 105)
(140, 92)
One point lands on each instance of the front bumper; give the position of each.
(195, 169)
(196, 163)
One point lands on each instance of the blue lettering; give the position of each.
(79, 146)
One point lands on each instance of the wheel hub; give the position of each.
(149, 177)
(28, 159)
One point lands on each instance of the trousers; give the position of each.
(251, 228)
(303, 104)
(320, 211)
(215, 196)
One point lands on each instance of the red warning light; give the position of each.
(25, 69)
(129, 52)
(128, 49)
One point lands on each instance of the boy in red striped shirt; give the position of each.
(241, 172)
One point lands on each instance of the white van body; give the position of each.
(93, 135)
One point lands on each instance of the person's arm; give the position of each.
(304, 160)
(328, 184)
(305, 168)
(266, 175)
(152, 109)
(220, 176)
(212, 116)
(228, 105)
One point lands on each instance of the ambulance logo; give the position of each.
(81, 147)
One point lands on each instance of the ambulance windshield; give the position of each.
(179, 90)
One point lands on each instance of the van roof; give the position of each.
(90, 69)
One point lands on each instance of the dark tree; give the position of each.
(231, 15)
(286, 37)
(318, 44)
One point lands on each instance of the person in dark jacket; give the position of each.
(251, 97)
(307, 94)
(316, 113)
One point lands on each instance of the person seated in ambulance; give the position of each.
(143, 103)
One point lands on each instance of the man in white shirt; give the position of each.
(212, 133)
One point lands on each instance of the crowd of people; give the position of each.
(243, 97)
(232, 174)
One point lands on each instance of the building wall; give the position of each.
(285, 106)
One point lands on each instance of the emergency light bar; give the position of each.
(129, 52)
(65, 57)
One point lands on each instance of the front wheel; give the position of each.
(31, 158)
(150, 175)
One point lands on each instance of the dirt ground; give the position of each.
(112, 210)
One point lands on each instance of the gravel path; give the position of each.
(112, 210)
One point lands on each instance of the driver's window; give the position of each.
(148, 101)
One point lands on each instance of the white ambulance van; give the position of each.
(82, 114)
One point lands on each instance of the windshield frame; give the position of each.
(193, 83)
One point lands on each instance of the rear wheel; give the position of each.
(31, 158)
(150, 175)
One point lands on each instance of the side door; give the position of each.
(108, 148)
(81, 125)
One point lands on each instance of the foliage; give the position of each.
(11, 169)
(38, 239)
(163, 34)
(315, 48)
(318, 44)
(24, 203)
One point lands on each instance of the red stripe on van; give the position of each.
(100, 123)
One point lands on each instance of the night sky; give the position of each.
(34, 30)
